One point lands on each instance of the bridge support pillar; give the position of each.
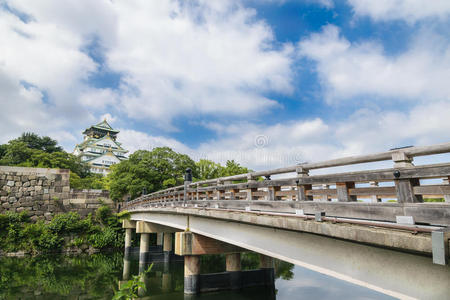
(192, 245)
(167, 246)
(267, 265)
(144, 248)
(128, 226)
(233, 267)
(191, 274)
(159, 238)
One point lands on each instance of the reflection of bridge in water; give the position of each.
(315, 221)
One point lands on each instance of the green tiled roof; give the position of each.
(104, 126)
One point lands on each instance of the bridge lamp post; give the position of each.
(187, 182)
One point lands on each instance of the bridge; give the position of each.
(375, 228)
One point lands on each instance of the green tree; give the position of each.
(234, 168)
(41, 154)
(3, 149)
(43, 143)
(16, 153)
(154, 170)
(208, 169)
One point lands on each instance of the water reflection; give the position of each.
(99, 276)
(60, 277)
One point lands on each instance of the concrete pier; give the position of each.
(191, 274)
(266, 264)
(128, 226)
(144, 248)
(159, 238)
(193, 245)
(167, 246)
(233, 267)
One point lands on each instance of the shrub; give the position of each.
(108, 238)
(18, 233)
(103, 213)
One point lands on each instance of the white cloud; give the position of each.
(43, 70)
(347, 70)
(408, 10)
(185, 60)
(177, 59)
(133, 140)
(98, 99)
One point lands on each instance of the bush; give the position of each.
(102, 214)
(18, 233)
(108, 238)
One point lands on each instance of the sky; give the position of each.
(264, 82)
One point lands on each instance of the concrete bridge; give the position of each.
(337, 224)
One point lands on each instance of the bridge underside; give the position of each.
(392, 272)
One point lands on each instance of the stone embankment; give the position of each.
(45, 192)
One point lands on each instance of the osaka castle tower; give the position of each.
(100, 149)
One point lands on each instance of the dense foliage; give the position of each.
(154, 170)
(19, 233)
(207, 169)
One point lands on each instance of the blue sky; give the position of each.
(267, 83)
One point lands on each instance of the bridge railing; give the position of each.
(403, 183)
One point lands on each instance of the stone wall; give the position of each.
(44, 192)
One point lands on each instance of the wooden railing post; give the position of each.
(303, 188)
(219, 190)
(342, 189)
(250, 191)
(374, 198)
(187, 182)
(233, 193)
(447, 197)
(404, 187)
(324, 198)
(273, 193)
(405, 190)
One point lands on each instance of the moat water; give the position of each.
(98, 276)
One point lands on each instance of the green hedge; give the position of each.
(19, 233)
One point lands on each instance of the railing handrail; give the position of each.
(409, 152)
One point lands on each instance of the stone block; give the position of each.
(18, 183)
(26, 184)
(24, 178)
(6, 205)
(77, 201)
(33, 182)
(9, 177)
(66, 189)
(10, 183)
(93, 205)
(31, 177)
(17, 178)
(38, 188)
(46, 196)
(12, 199)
